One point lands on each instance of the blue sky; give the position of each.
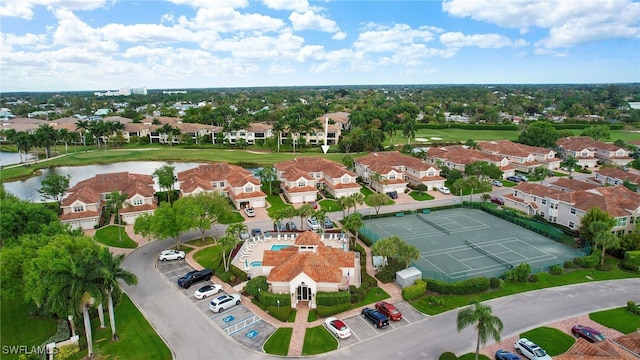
(65, 45)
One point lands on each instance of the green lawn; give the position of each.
(545, 280)
(276, 204)
(235, 217)
(209, 257)
(198, 242)
(461, 135)
(553, 341)
(19, 328)
(313, 315)
(366, 191)
(620, 319)
(108, 235)
(374, 295)
(330, 205)
(416, 195)
(318, 340)
(137, 340)
(472, 356)
(278, 342)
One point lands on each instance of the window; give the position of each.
(572, 225)
(542, 213)
(431, 172)
(248, 188)
(78, 208)
(544, 201)
(535, 199)
(573, 211)
(515, 193)
(621, 221)
(345, 179)
(221, 184)
(391, 176)
(302, 183)
(137, 202)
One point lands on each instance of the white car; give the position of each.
(223, 302)
(530, 350)
(497, 183)
(250, 212)
(171, 255)
(337, 327)
(444, 190)
(313, 224)
(207, 291)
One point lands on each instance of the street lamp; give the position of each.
(278, 302)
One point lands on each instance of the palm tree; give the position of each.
(290, 212)
(304, 212)
(84, 126)
(409, 130)
(353, 223)
(320, 214)
(277, 216)
(236, 229)
(77, 285)
(46, 136)
(570, 163)
(227, 242)
(267, 174)
(113, 272)
(358, 198)
(486, 323)
(116, 201)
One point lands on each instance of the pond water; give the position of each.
(11, 158)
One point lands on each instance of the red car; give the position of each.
(389, 309)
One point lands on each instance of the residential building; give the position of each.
(84, 203)
(309, 266)
(255, 133)
(571, 185)
(340, 119)
(301, 178)
(523, 158)
(458, 157)
(392, 171)
(235, 182)
(625, 347)
(616, 176)
(568, 208)
(590, 152)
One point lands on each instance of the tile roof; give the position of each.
(382, 161)
(601, 350)
(324, 265)
(630, 342)
(259, 127)
(618, 201)
(236, 176)
(572, 184)
(619, 174)
(312, 164)
(339, 117)
(577, 143)
(89, 191)
(458, 154)
(537, 189)
(508, 147)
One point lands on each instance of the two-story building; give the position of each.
(255, 133)
(84, 203)
(235, 182)
(458, 156)
(522, 157)
(615, 176)
(590, 152)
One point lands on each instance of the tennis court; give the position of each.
(461, 243)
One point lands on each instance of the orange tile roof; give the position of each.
(577, 143)
(618, 201)
(236, 176)
(457, 154)
(573, 184)
(601, 350)
(381, 161)
(90, 190)
(508, 147)
(620, 174)
(630, 342)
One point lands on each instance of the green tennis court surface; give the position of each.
(467, 243)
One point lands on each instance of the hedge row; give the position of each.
(588, 262)
(414, 291)
(268, 298)
(581, 126)
(454, 125)
(326, 311)
(333, 298)
(281, 313)
(464, 287)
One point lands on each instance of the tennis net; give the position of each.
(503, 262)
(439, 227)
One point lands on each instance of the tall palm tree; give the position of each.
(77, 285)
(84, 126)
(227, 242)
(116, 201)
(113, 272)
(267, 174)
(353, 223)
(409, 130)
(277, 216)
(46, 136)
(304, 212)
(570, 163)
(358, 198)
(486, 323)
(236, 229)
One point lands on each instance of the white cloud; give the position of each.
(312, 21)
(569, 23)
(227, 20)
(145, 33)
(167, 18)
(340, 35)
(212, 3)
(295, 5)
(27, 40)
(381, 38)
(24, 8)
(485, 41)
(74, 33)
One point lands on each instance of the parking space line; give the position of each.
(220, 313)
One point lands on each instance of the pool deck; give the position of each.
(254, 247)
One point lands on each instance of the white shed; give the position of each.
(407, 277)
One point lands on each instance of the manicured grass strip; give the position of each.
(235, 217)
(620, 319)
(545, 280)
(278, 342)
(366, 191)
(18, 328)
(416, 195)
(108, 235)
(374, 295)
(472, 356)
(292, 316)
(553, 341)
(209, 257)
(276, 204)
(137, 340)
(329, 205)
(313, 315)
(318, 340)
(198, 242)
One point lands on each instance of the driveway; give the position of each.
(191, 334)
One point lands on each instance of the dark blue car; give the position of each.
(505, 355)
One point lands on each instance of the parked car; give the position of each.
(444, 190)
(256, 232)
(278, 226)
(530, 350)
(497, 183)
(207, 290)
(515, 179)
(328, 224)
(497, 200)
(313, 204)
(393, 194)
(505, 355)
(250, 212)
(337, 327)
(171, 255)
(244, 234)
(313, 224)
(291, 226)
(587, 333)
(523, 178)
(375, 317)
(194, 276)
(389, 309)
(223, 302)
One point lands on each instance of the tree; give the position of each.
(83, 125)
(267, 174)
(236, 230)
(166, 178)
(597, 132)
(304, 212)
(54, 187)
(347, 161)
(168, 221)
(353, 223)
(116, 201)
(487, 324)
(227, 242)
(277, 216)
(595, 227)
(472, 144)
(113, 271)
(377, 200)
(394, 247)
(206, 209)
(46, 136)
(483, 170)
(290, 212)
(409, 130)
(358, 198)
(569, 163)
(539, 133)
(542, 173)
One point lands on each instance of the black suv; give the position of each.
(376, 317)
(194, 276)
(393, 194)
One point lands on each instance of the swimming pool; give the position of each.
(278, 247)
(256, 263)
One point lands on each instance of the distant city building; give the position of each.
(122, 92)
(170, 92)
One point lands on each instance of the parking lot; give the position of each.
(249, 329)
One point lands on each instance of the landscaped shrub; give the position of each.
(67, 351)
(357, 294)
(325, 311)
(588, 262)
(630, 265)
(631, 306)
(519, 273)
(388, 273)
(268, 298)
(532, 278)
(223, 275)
(368, 281)
(569, 264)
(604, 267)
(464, 287)
(448, 356)
(555, 270)
(241, 275)
(333, 298)
(495, 283)
(414, 291)
(435, 300)
(281, 313)
(252, 286)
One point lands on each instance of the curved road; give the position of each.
(192, 335)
